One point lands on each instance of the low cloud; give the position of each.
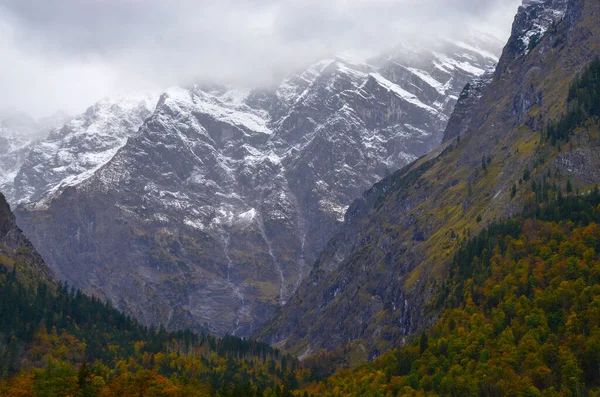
(66, 54)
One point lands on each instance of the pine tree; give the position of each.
(423, 344)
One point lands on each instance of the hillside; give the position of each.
(206, 208)
(521, 314)
(374, 285)
(56, 341)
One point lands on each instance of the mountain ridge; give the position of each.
(218, 206)
(371, 287)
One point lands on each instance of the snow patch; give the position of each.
(426, 77)
(403, 94)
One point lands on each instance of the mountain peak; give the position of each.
(215, 205)
(534, 18)
(80, 147)
(376, 283)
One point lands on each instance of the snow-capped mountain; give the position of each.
(18, 133)
(213, 212)
(74, 152)
(13, 151)
(377, 283)
(534, 18)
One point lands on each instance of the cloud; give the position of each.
(65, 54)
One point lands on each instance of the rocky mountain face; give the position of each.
(213, 212)
(469, 98)
(533, 20)
(377, 280)
(16, 251)
(72, 152)
(18, 133)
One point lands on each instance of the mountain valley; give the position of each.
(421, 223)
(213, 203)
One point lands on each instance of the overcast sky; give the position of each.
(66, 54)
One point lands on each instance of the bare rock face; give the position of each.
(210, 210)
(376, 282)
(74, 151)
(467, 101)
(18, 135)
(16, 251)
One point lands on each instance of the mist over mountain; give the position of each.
(68, 54)
(402, 196)
(223, 197)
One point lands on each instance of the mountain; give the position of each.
(56, 341)
(375, 284)
(215, 210)
(18, 132)
(487, 248)
(75, 150)
(16, 250)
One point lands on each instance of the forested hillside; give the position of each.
(56, 341)
(522, 317)
(473, 272)
(521, 306)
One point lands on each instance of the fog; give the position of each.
(66, 54)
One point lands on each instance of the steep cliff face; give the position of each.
(74, 151)
(16, 251)
(18, 135)
(467, 102)
(376, 281)
(213, 212)
(533, 20)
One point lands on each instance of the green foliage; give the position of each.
(583, 104)
(423, 343)
(61, 330)
(522, 315)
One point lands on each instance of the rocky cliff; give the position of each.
(16, 251)
(376, 282)
(213, 212)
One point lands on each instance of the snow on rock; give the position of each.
(18, 135)
(534, 19)
(471, 48)
(426, 77)
(232, 193)
(73, 153)
(405, 95)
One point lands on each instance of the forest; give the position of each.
(519, 315)
(56, 341)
